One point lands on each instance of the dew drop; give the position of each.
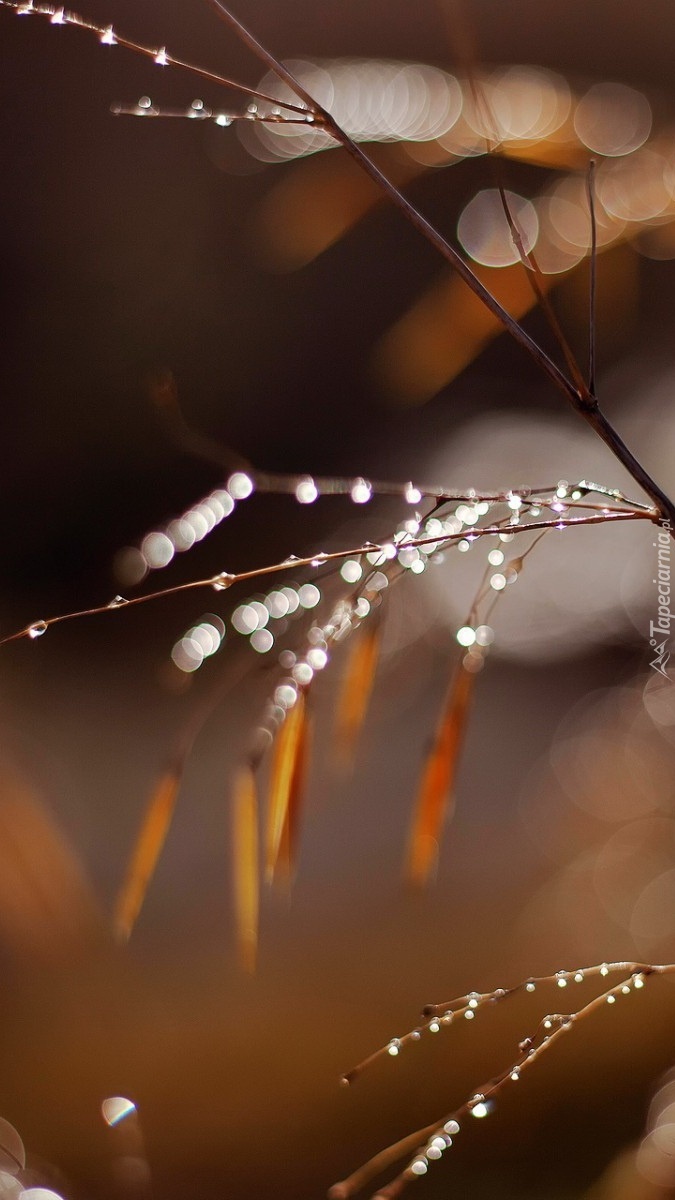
(262, 641)
(116, 1108)
(434, 1026)
(40, 1193)
(451, 1127)
(485, 635)
(361, 491)
(239, 485)
(309, 595)
(306, 491)
(161, 57)
(117, 602)
(351, 571)
(37, 629)
(394, 1047)
(221, 582)
(286, 695)
(419, 1167)
(466, 636)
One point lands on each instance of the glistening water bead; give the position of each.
(240, 485)
(361, 491)
(306, 491)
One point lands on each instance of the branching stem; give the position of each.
(582, 400)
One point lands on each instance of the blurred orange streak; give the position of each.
(316, 205)
(290, 833)
(445, 330)
(288, 771)
(356, 688)
(47, 908)
(323, 197)
(437, 780)
(245, 866)
(146, 851)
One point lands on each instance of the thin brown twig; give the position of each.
(493, 142)
(225, 580)
(583, 402)
(535, 279)
(547, 1033)
(65, 17)
(585, 405)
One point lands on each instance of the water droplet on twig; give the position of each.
(221, 582)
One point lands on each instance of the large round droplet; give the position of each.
(116, 1108)
(485, 231)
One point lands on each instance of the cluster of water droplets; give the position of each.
(159, 546)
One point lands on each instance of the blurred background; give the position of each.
(309, 330)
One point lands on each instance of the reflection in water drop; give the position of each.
(116, 1108)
